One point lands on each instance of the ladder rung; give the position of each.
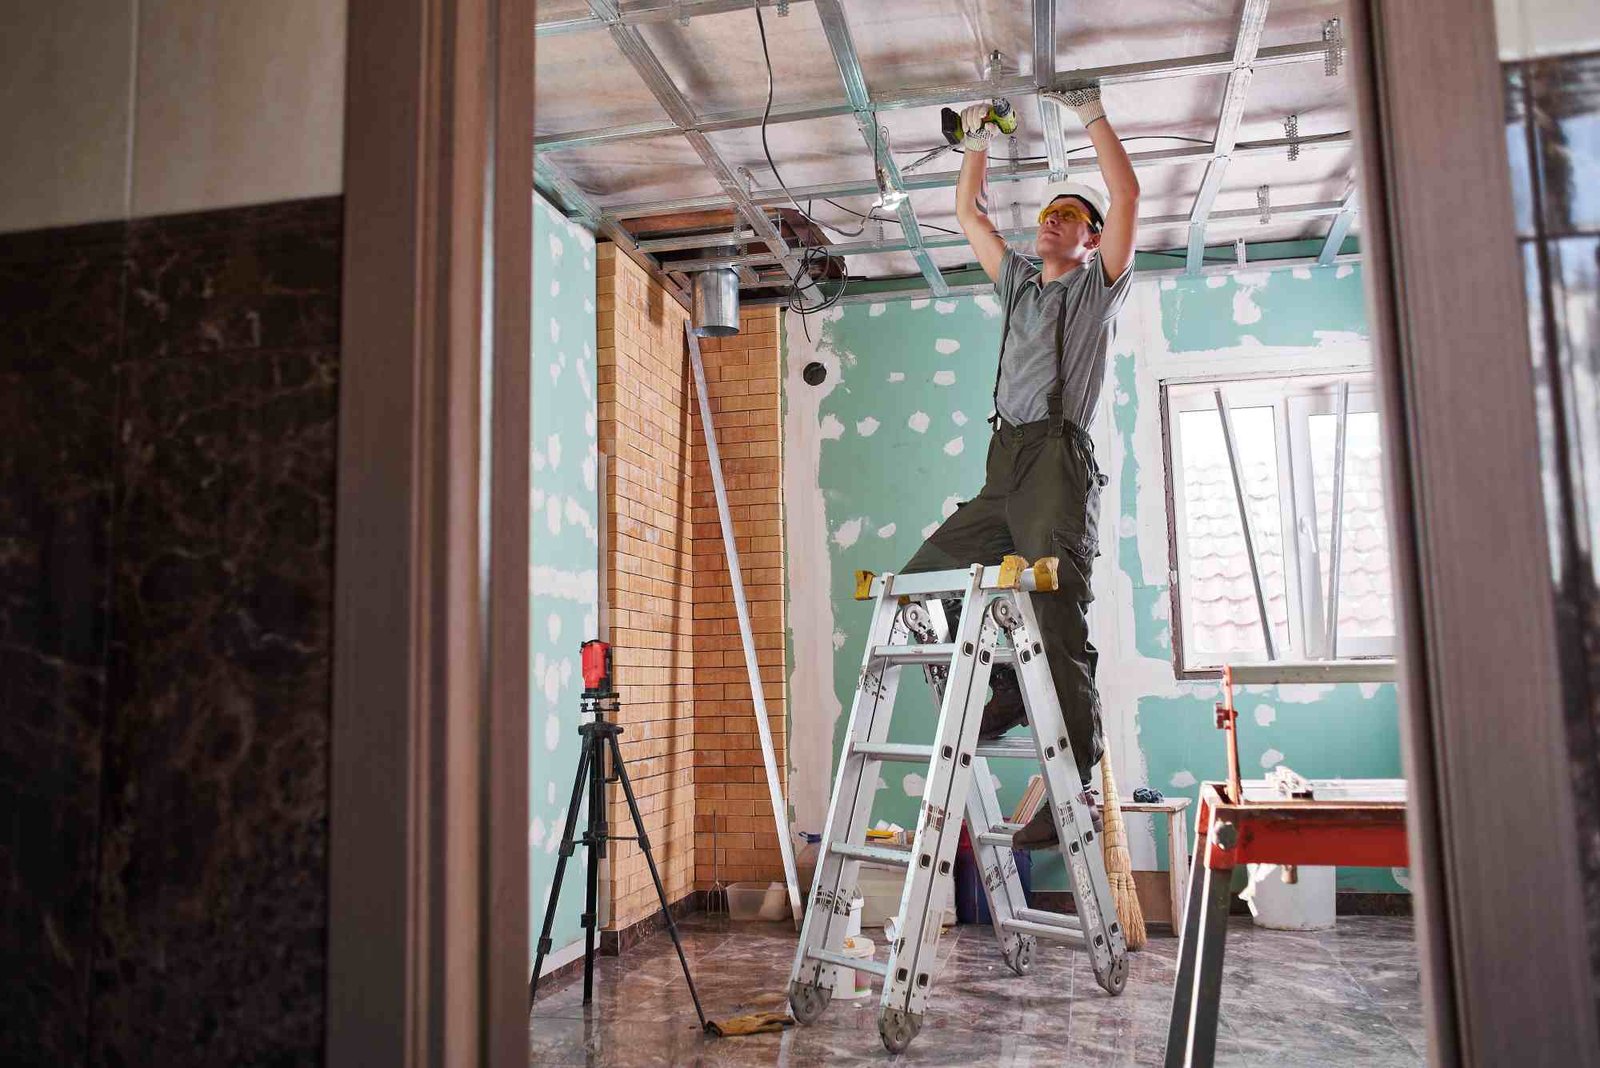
(907, 751)
(872, 854)
(1021, 749)
(1045, 930)
(995, 838)
(914, 654)
(860, 964)
(1051, 919)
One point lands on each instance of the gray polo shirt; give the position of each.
(1027, 366)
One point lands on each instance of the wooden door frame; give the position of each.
(428, 924)
(1499, 899)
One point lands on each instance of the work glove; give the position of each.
(1084, 103)
(976, 129)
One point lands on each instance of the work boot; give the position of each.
(1040, 832)
(1004, 709)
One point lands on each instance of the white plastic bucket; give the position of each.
(849, 984)
(1307, 904)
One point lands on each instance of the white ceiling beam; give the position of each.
(1339, 229)
(1313, 210)
(643, 12)
(1246, 47)
(936, 96)
(848, 60)
(1044, 78)
(947, 179)
(632, 44)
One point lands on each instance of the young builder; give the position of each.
(1041, 491)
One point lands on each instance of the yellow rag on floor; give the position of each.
(755, 1023)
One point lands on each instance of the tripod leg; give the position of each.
(561, 867)
(597, 843)
(661, 890)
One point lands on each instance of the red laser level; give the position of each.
(596, 667)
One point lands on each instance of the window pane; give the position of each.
(1219, 600)
(1366, 604)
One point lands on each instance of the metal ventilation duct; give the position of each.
(716, 302)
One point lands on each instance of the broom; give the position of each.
(1119, 862)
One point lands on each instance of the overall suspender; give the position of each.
(1053, 398)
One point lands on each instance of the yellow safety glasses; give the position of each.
(1066, 211)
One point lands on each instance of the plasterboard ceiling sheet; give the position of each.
(556, 10)
(1314, 178)
(716, 60)
(907, 44)
(582, 82)
(659, 168)
(1321, 103)
(813, 152)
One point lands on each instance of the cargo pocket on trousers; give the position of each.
(1075, 553)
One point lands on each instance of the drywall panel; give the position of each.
(65, 93)
(237, 103)
(564, 552)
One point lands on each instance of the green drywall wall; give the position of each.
(901, 436)
(564, 545)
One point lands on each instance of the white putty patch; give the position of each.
(830, 428)
(1369, 690)
(588, 306)
(552, 514)
(886, 531)
(897, 376)
(958, 418)
(912, 785)
(876, 309)
(848, 533)
(552, 731)
(1169, 283)
(1339, 337)
(1402, 876)
(867, 427)
(1265, 714)
(1216, 281)
(556, 247)
(589, 424)
(552, 449)
(1344, 271)
(1271, 758)
(555, 330)
(919, 304)
(550, 793)
(954, 446)
(928, 530)
(944, 378)
(1302, 273)
(948, 508)
(944, 307)
(555, 373)
(1182, 779)
(580, 586)
(1245, 308)
(918, 422)
(839, 638)
(1126, 527)
(555, 288)
(536, 833)
(988, 305)
(552, 624)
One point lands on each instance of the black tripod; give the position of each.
(599, 738)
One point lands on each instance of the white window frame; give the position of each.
(1293, 398)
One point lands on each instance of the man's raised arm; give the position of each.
(1121, 229)
(972, 191)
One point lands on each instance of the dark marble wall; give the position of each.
(169, 396)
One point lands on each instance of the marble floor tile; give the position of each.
(1348, 996)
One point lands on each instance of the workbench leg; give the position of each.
(1183, 983)
(1178, 865)
(1204, 1007)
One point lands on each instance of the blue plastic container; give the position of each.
(972, 906)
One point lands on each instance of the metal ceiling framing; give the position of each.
(935, 96)
(1245, 47)
(632, 44)
(845, 56)
(750, 204)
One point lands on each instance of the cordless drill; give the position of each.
(1000, 114)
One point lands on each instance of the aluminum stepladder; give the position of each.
(907, 627)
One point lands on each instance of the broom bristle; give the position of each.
(1119, 862)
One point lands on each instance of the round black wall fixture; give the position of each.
(814, 373)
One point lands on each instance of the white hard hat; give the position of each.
(1091, 196)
